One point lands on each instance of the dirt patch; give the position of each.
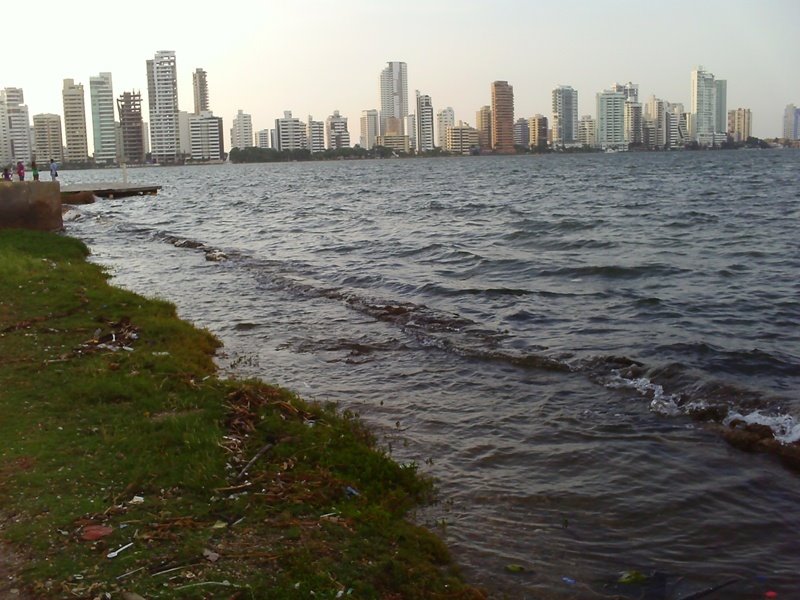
(11, 565)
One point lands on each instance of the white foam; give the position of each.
(784, 427)
(660, 402)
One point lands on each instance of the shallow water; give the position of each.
(533, 331)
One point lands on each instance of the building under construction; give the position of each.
(129, 105)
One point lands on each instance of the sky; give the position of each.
(316, 56)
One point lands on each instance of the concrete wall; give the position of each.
(31, 205)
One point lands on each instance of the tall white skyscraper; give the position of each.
(703, 123)
(206, 141)
(370, 128)
(263, 138)
(290, 133)
(162, 93)
(565, 115)
(444, 118)
(19, 145)
(791, 122)
(200, 87)
(315, 135)
(336, 133)
(5, 139)
(411, 130)
(394, 98)
(424, 123)
(77, 146)
(655, 113)
(242, 130)
(104, 127)
(611, 119)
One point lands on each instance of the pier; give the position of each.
(73, 194)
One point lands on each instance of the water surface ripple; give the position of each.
(558, 339)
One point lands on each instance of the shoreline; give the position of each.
(131, 458)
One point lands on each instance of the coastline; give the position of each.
(135, 468)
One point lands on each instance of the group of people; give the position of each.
(34, 171)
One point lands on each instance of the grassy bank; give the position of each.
(116, 433)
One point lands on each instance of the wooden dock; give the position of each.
(70, 193)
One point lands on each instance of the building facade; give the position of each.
(537, 128)
(721, 109)
(206, 140)
(483, 123)
(791, 122)
(200, 87)
(444, 118)
(315, 135)
(17, 126)
(656, 119)
(370, 128)
(502, 117)
(394, 98)
(425, 139)
(104, 126)
(47, 141)
(703, 121)
(336, 133)
(290, 133)
(611, 120)
(740, 124)
(587, 132)
(522, 132)
(263, 138)
(131, 126)
(242, 130)
(565, 115)
(77, 145)
(462, 139)
(162, 95)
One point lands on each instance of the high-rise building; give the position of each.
(739, 124)
(704, 104)
(791, 122)
(207, 142)
(77, 146)
(657, 119)
(315, 135)
(394, 98)
(411, 130)
(611, 119)
(483, 123)
(444, 118)
(184, 136)
(19, 145)
(502, 118)
(129, 108)
(461, 139)
(537, 128)
(721, 110)
(200, 86)
(522, 132)
(162, 95)
(47, 141)
(587, 131)
(263, 138)
(425, 138)
(370, 128)
(104, 127)
(291, 133)
(565, 115)
(633, 122)
(242, 130)
(5, 139)
(336, 133)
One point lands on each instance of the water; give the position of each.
(560, 340)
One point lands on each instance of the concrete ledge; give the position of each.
(31, 205)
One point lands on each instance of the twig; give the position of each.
(254, 459)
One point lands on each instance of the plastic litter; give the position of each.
(568, 580)
(136, 500)
(115, 553)
(351, 492)
(514, 568)
(632, 577)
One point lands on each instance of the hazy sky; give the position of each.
(314, 56)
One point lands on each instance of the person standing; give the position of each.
(6, 174)
(21, 170)
(34, 170)
(53, 170)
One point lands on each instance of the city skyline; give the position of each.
(267, 74)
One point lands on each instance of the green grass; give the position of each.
(106, 396)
